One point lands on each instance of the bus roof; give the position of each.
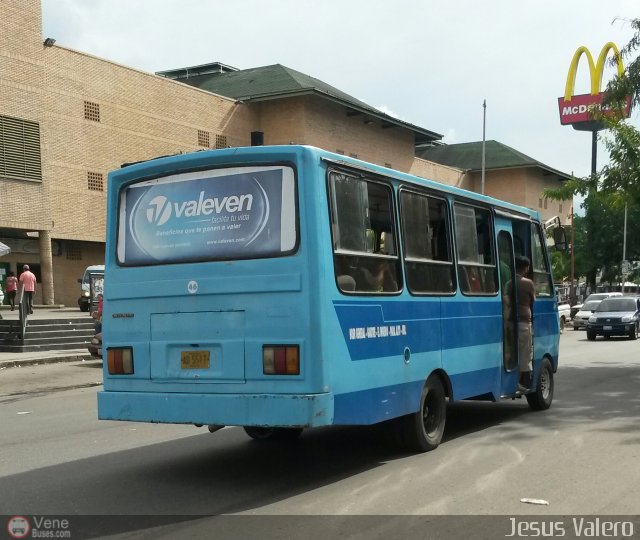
(252, 154)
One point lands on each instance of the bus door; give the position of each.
(510, 372)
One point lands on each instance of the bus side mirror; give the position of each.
(560, 239)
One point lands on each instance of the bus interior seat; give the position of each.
(346, 283)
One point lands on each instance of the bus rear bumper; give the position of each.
(299, 410)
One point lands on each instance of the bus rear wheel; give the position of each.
(272, 434)
(422, 431)
(541, 398)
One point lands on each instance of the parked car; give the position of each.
(1, 296)
(582, 317)
(564, 311)
(594, 296)
(617, 316)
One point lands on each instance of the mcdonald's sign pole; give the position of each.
(578, 110)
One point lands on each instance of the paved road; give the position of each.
(581, 456)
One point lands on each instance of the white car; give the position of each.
(594, 296)
(581, 318)
(563, 315)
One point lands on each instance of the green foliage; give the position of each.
(599, 234)
(560, 266)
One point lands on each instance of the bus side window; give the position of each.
(425, 232)
(362, 218)
(476, 260)
(541, 274)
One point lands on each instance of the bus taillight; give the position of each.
(281, 360)
(120, 361)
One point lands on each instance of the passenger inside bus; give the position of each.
(379, 277)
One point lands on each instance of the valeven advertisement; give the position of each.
(221, 214)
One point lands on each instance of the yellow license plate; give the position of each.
(194, 359)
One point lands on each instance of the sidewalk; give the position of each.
(12, 359)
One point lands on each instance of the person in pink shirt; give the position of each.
(28, 282)
(12, 287)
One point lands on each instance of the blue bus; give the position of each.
(286, 287)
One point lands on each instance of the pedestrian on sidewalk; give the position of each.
(28, 282)
(11, 289)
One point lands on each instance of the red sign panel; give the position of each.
(580, 108)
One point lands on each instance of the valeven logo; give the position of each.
(161, 209)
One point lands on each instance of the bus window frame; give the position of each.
(371, 177)
(148, 177)
(538, 231)
(416, 190)
(492, 244)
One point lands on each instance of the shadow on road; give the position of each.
(228, 473)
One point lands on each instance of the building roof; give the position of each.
(279, 82)
(468, 156)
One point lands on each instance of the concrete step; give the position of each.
(46, 334)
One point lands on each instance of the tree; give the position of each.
(616, 184)
(560, 266)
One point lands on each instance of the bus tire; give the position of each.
(422, 431)
(272, 434)
(541, 398)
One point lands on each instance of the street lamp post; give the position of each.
(624, 265)
(572, 290)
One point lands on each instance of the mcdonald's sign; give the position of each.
(577, 110)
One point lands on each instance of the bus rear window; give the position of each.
(218, 214)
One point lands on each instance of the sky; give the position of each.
(428, 63)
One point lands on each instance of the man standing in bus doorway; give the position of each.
(28, 282)
(526, 298)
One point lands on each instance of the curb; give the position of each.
(50, 360)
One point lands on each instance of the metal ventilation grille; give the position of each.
(92, 111)
(20, 149)
(74, 251)
(203, 138)
(221, 141)
(95, 181)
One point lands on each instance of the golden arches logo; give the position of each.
(596, 70)
(577, 110)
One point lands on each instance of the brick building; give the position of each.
(67, 118)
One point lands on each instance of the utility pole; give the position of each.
(484, 126)
(623, 266)
(572, 289)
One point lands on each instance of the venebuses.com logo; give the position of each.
(38, 527)
(18, 527)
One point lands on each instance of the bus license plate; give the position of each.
(194, 359)
(607, 327)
